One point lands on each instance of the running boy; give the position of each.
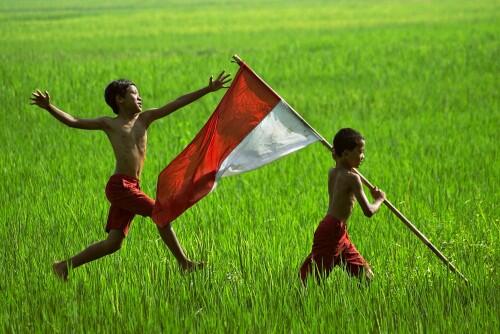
(127, 133)
(331, 244)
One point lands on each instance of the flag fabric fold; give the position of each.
(252, 126)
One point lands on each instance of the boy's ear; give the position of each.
(118, 99)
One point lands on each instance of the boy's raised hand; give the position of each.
(219, 83)
(40, 99)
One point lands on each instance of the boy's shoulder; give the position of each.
(111, 121)
(342, 176)
(108, 121)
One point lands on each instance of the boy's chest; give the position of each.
(131, 134)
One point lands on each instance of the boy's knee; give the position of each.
(164, 229)
(114, 246)
(114, 242)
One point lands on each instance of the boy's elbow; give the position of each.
(73, 124)
(369, 214)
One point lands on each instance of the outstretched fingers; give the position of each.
(35, 96)
(220, 75)
(38, 93)
(224, 79)
(39, 98)
(220, 82)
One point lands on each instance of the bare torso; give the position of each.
(341, 193)
(128, 138)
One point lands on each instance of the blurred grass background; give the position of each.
(418, 78)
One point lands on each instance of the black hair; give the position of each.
(116, 87)
(345, 139)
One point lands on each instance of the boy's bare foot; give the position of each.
(61, 270)
(190, 266)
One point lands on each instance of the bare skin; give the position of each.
(344, 187)
(127, 133)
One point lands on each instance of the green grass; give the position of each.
(420, 80)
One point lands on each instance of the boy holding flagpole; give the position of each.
(331, 243)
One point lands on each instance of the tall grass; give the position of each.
(418, 78)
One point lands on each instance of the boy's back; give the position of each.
(341, 193)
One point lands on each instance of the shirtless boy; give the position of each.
(127, 133)
(331, 244)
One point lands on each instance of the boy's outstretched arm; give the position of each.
(43, 101)
(152, 115)
(378, 195)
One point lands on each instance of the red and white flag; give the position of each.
(252, 126)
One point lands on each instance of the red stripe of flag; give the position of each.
(191, 175)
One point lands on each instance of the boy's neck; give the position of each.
(127, 115)
(341, 163)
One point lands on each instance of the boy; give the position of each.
(331, 245)
(127, 133)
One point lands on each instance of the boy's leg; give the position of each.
(362, 272)
(323, 265)
(324, 253)
(127, 199)
(306, 269)
(320, 265)
(356, 265)
(170, 239)
(91, 253)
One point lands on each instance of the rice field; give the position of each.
(419, 79)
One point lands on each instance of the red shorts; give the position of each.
(331, 246)
(127, 200)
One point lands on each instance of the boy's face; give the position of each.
(131, 101)
(356, 156)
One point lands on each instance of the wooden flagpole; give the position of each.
(365, 181)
